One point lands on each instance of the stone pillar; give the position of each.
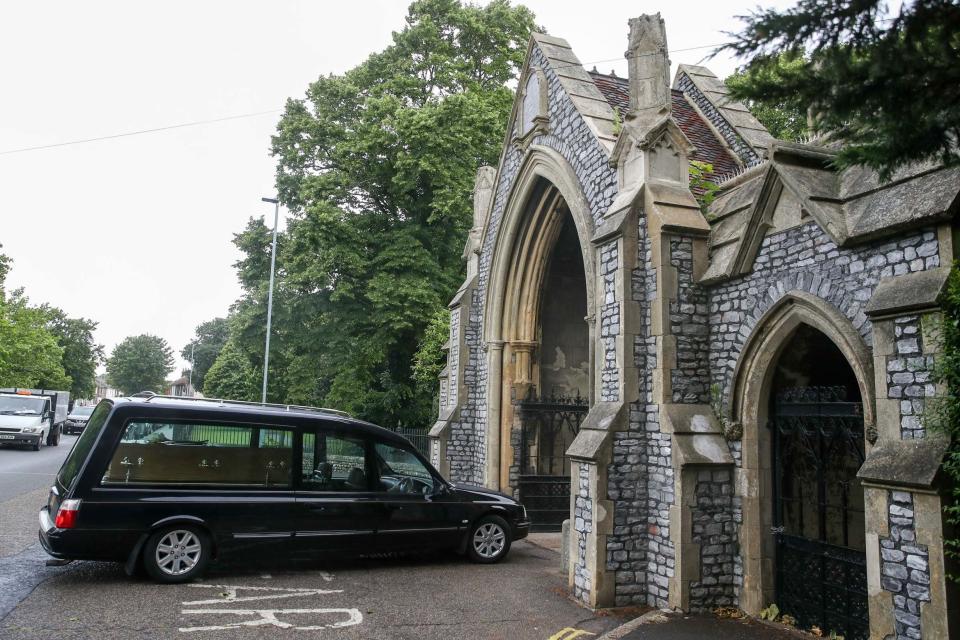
(494, 391)
(909, 593)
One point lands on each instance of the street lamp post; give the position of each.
(273, 262)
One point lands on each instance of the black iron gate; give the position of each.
(818, 510)
(547, 427)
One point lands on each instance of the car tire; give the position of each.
(489, 540)
(40, 441)
(54, 439)
(178, 553)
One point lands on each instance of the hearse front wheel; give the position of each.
(176, 554)
(489, 540)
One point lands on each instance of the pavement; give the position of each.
(659, 626)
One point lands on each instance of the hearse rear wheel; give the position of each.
(177, 554)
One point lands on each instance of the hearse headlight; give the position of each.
(524, 510)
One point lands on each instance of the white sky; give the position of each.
(135, 232)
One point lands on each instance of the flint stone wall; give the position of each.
(572, 139)
(905, 569)
(715, 530)
(805, 258)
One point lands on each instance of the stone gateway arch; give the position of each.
(727, 404)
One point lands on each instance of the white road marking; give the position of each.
(268, 617)
(272, 593)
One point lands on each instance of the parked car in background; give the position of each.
(32, 417)
(169, 483)
(77, 419)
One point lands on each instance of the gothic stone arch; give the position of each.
(752, 382)
(546, 188)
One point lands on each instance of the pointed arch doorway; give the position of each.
(545, 366)
(803, 390)
(817, 439)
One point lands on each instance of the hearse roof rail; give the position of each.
(147, 396)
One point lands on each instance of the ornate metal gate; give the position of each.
(818, 510)
(547, 427)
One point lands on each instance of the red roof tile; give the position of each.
(709, 147)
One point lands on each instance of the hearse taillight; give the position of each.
(67, 514)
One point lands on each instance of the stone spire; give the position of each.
(649, 70)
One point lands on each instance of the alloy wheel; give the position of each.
(178, 552)
(488, 540)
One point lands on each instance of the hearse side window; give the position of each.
(334, 462)
(178, 453)
(401, 471)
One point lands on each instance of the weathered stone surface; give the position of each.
(910, 292)
(904, 463)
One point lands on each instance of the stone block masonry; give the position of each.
(582, 527)
(609, 324)
(805, 258)
(690, 381)
(910, 376)
(575, 142)
(715, 530)
(905, 570)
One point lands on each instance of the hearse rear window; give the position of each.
(179, 453)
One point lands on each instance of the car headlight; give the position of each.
(31, 429)
(524, 509)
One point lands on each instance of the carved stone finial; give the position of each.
(649, 67)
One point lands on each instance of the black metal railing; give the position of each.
(419, 438)
(818, 446)
(548, 426)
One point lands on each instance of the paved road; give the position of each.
(25, 478)
(22, 469)
(432, 597)
(425, 598)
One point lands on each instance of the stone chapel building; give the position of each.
(726, 406)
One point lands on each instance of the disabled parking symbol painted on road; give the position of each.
(316, 618)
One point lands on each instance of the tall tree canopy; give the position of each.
(377, 167)
(231, 376)
(81, 353)
(30, 355)
(140, 363)
(785, 117)
(209, 339)
(887, 86)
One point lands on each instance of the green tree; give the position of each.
(231, 377)
(81, 353)
(784, 116)
(886, 86)
(944, 413)
(140, 363)
(29, 353)
(429, 358)
(377, 167)
(209, 339)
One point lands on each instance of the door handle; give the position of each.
(776, 530)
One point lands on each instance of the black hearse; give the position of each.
(170, 483)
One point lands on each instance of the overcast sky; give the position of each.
(135, 232)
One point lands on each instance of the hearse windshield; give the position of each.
(81, 449)
(21, 405)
